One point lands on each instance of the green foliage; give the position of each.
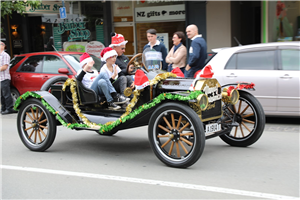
(9, 6)
(19, 6)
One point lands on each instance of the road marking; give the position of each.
(151, 182)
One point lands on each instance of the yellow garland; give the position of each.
(134, 100)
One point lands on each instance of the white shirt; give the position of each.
(108, 72)
(88, 78)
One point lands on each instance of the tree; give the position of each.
(19, 6)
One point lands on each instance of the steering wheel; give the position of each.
(137, 62)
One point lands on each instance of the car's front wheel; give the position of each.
(176, 135)
(250, 121)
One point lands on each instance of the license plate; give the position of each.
(210, 128)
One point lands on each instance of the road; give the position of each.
(85, 165)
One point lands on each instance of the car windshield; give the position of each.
(74, 60)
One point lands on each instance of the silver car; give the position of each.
(274, 69)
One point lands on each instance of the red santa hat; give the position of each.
(117, 40)
(107, 52)
(140, 80)
(178, 72)
(84, 59)
(206, 72)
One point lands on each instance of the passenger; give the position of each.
(113, 71)
(197, 51)
(177, 55)
(155, 44)
(98, 82)
(118, 43)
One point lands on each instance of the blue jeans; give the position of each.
(102, 86)
(191, 72)
(6, 99)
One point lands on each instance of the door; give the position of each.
(288, 81)
(127, 32)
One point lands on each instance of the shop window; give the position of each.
(284, 21)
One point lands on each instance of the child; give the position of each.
(98, 82)
(113, 71)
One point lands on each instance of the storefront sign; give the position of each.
(160, 13)
(122, 8)
(95, 48)
(77, 30)
(47, 7)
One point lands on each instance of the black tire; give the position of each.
(56, 80)
(167, 140)
(14, 94)
(251, 118)
(36, 125)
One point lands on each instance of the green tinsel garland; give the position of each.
(104, 127)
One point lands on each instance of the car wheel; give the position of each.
(36, 125)
(14, 94)
(249, 115)
(56, 80)
(176, 135)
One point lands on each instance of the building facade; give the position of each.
(221, 23)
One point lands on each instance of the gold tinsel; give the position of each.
(134, 100)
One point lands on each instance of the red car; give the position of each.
(31, 70)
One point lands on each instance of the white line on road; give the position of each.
(150, 182)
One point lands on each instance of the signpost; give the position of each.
(63, 13)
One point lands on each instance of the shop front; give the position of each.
(133, 18)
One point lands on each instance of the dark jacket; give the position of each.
(197, 53)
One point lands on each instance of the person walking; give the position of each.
(177, 55)
(6, 99)
(197, 51)
(155, 44)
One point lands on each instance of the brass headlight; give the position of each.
(202, 101)
(232, 97)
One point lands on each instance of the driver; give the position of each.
(118, 44)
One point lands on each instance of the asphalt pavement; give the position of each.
(85, 165)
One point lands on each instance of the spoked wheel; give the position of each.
(249, 115)
(36, 125)
(176, 135)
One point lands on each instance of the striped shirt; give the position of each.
(4, 60)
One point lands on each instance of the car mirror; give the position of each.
(63, 71)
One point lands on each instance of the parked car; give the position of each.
(272, 67)
(31, 70)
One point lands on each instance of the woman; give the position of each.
(177, 55)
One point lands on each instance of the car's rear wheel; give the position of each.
(249, 115)
(14, 94)
(176, 135)
(56, 80)
(36, 125)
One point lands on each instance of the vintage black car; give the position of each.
(179, 118)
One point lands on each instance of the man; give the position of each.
(6, 99)
(118, 44)
(197, 51)
(155, 44)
